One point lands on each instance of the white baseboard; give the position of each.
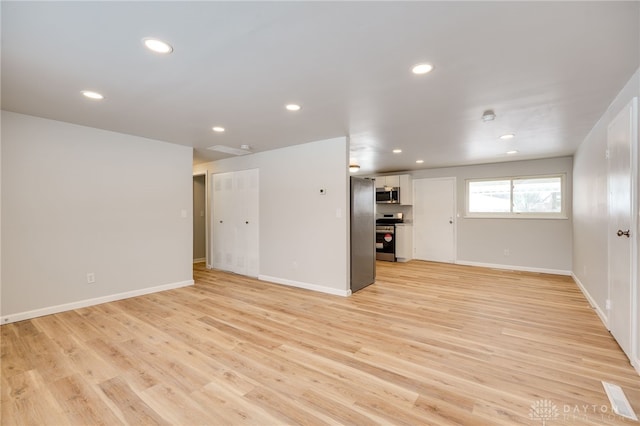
(592, 301)
(307, 286)
(21, 316)
(515, 268)
(202, 259)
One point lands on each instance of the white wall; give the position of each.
(534, 244)
(590, 257)
(304, 236)
(77, 200)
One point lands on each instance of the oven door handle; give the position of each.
(385, 232)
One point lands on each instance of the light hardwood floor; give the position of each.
(428, 344)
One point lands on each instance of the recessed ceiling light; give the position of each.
(397, 151)
(157, 46)
(419, 161)
(422, 68)
(293, 107)
(92, 95)
(511, 152)
(507, 136)
(218, 129)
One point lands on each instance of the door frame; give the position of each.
(206, 214)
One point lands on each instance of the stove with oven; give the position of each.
(386, 236)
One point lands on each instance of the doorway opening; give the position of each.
(199, 218)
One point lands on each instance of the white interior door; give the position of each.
(434, 207)
(622, 231)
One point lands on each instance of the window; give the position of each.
(527, 197)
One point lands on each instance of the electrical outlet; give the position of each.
(607, 304)
(507, 252)
(323, 191)
(91, 278)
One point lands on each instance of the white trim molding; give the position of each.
(603, 316)
(514, 268)
(306, 286)
(21, 316)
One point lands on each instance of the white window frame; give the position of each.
(516, 215)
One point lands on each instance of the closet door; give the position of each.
(223, 226)
(250, 215)
(235, 222)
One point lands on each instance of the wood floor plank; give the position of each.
(134, 410)
(427, 344)
(28, 400)
(81, 404)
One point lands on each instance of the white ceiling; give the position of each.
(548, 69)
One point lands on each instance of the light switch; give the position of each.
(183, 213)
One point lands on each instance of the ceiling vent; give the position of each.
(244, 150)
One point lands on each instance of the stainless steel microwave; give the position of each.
(388, 195)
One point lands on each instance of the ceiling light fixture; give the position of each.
(218, 129)
(92, 95)
(512, 152)
(397, 151)
(507, 136)
(293, 107)
(419, 161)
(157, 46)
(488, 115)
(353, 166)
(422, 68)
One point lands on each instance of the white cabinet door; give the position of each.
(235, 228)
(404, 242)
(382, 181)
(393, 181)
(406, 190)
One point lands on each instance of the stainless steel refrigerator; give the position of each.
(363, 233)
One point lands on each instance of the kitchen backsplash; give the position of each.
(407, 211)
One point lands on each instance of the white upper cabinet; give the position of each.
(404, 182)
(393, 181)
(404, 242)
(406, 190)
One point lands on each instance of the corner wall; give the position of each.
(541, 245)
(590, 201)
(304, 236)
(79, 200)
